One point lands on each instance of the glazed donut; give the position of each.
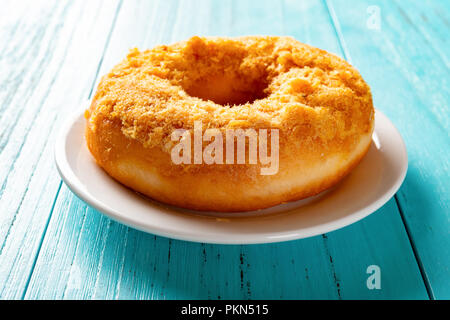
(315, 109)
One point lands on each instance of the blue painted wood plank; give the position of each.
(49, 55)
(406, 62)
(86, 255)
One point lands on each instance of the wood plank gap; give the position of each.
(19, 151)
(76, 247)
(423, 273)
(346, 53)
(106, 47)
(41, 241)
(34, 38)
(60, 183)
(337, 29)
(332, 268)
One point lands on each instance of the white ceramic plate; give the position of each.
(373, 182)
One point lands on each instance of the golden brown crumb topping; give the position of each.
(246, 82)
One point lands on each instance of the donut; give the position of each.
(230, 124)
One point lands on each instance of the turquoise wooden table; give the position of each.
(54, 246)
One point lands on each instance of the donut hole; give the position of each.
(226, 73)
(228, 89)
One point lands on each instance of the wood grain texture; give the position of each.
(54, 246)
(85, 255)
(46, 45)
(406, 62)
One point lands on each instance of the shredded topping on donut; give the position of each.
(316, 99)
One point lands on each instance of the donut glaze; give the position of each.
(319, 104)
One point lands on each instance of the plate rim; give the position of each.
(65, 171)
